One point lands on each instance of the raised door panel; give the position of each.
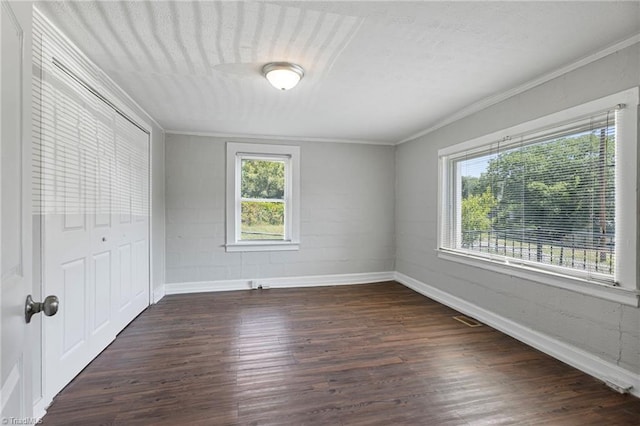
(101, 303)
(125, 281)
(124, 171)
(69, 162)
(74, 284)
(105, 170)
(140, 267)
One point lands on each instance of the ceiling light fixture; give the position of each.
(283, 75)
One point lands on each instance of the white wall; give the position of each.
(609, 331)
(347, 213)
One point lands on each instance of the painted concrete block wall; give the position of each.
(608, 330)
(347, 213)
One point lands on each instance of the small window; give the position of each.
(262, 197)
(550, 197)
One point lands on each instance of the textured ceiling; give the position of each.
(375, 71)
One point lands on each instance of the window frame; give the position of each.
(625, 288)
(290, 154)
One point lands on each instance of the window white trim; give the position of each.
(626, 202)
(291, 155)
(626, 296)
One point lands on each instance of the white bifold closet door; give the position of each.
(95, 200)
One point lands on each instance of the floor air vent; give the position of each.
(470, 322)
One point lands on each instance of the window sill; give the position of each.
(262, 246)
(621, 295)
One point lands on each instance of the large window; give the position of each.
(262, 197)
(549, 195)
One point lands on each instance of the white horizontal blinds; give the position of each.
(66, 133)
(131, 184)
(68, 146)
(545, 198)
(82, 146)
(106, 165)
(75, 148)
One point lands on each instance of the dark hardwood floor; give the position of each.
(377, 354)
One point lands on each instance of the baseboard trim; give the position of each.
(582, 360)
(206, 286)
(281, 282)
(158, 294)
(40, 408)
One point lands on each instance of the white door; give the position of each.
(15, 361)
(95, 226)
(132, 236)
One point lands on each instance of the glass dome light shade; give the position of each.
(283, 75)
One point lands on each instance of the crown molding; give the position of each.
(492, 100)
(271, 138)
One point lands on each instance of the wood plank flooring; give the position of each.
(375, 354)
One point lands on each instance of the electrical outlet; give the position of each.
(620, 388)
(259, 285)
